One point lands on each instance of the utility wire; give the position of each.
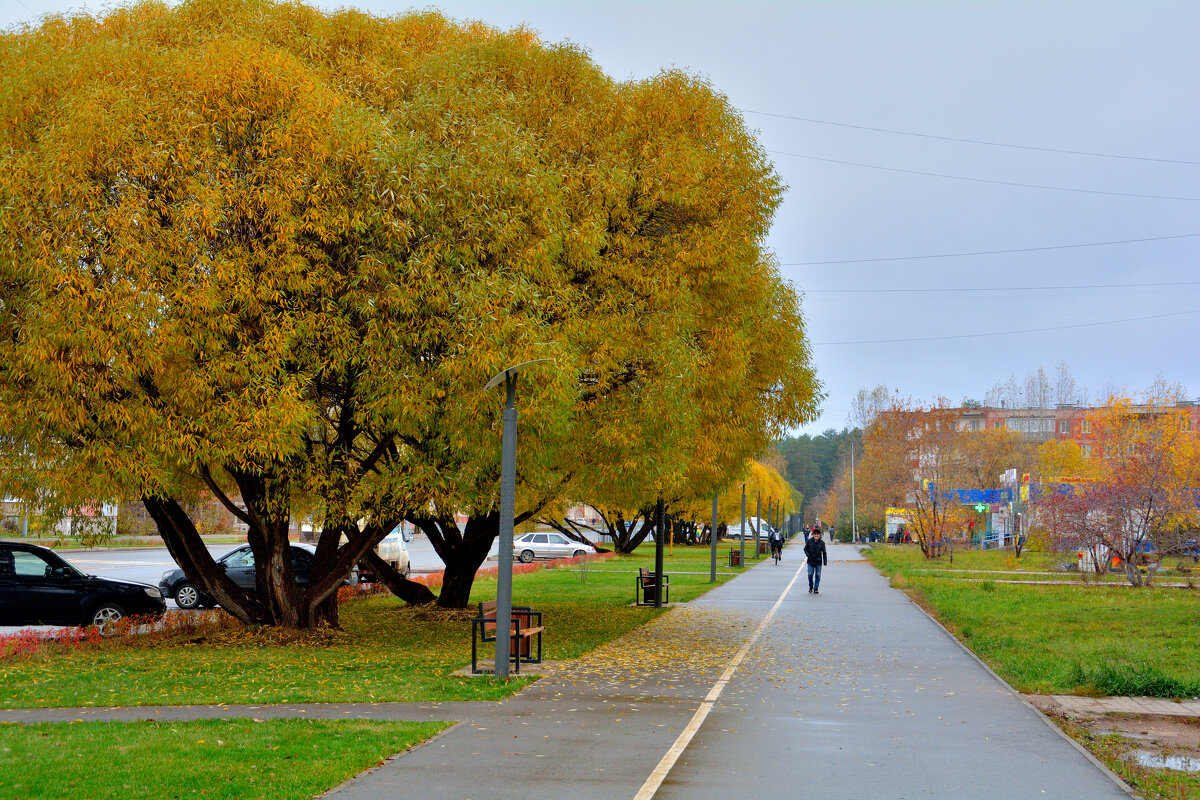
(1009, 333)
(971, 141)
(1006, 288)
(1058, 316)
(988, 252)
(986, 180)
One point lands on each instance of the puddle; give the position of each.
(1146, 758)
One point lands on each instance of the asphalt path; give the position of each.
(760, 690)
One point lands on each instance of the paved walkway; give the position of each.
(1153, 706)
(757, 689)
(854, 693)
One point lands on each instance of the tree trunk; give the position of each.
(463, 552)
(183, 541)
(410, 592)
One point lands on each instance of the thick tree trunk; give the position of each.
(411, 592)
(463, 552)
(183, 542)
(469, 555)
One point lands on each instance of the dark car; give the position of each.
(239, 566)
(39, 587)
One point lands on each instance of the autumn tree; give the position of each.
(1139, 495)
(271, 254)
(913, 458)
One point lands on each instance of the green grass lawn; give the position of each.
(385, 652)
(227, 759)
(1073, 639)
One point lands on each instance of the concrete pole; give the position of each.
(853, 509)
(757, 521)
(742, 538)
(712, 536)
(659, 532)
(508, 496)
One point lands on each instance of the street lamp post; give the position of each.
(757, 520)
(508, 501)
(659, 533)
(712, 540)
(742, 537)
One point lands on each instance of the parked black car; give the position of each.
(40, 587)
(239, 566)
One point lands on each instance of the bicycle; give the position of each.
(777, 553)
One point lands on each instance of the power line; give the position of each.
(971, 141)
(986, 180)
(1009, 333)
(1006, 288)
(1059, 315)
(989, 252)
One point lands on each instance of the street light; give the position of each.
(508, 501)
(712, 542)
(742, 537)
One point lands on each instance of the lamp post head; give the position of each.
(513, 370)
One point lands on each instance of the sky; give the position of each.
(902, 131)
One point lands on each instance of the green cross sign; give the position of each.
(981, 507)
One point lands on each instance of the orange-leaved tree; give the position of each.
(1139, 499)
(271, 254)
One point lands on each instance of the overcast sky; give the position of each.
(832, 86)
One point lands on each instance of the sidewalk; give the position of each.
(854, 693)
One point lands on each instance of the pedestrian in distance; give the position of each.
(814, 550)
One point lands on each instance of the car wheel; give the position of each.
(579, 553)
(526, 556)
(187, 595)
(105, 615)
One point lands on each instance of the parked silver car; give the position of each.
(548, 545)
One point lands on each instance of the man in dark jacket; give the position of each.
(814, 549)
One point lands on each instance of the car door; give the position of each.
(239, 566)
(44, 592)
(302, 562)
(560, 546)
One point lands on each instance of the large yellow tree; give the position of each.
(273, 254)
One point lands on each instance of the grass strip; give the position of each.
(385, 652)
(213, 759)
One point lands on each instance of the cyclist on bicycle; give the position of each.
(776, 541)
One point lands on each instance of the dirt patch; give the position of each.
(1162, 734)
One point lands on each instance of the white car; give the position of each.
(548, 545)
(393, 549)
(735, 529)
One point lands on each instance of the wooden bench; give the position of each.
(644, 591)
(526, 624)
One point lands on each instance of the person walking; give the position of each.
(814, 549)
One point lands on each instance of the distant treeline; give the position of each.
(813, 463)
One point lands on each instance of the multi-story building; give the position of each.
(1063, 422)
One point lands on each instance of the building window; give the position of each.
(1064, 427)
(1087, 450)
(1030, 424)
(1085, 426)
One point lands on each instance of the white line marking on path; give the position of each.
(650, 787)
